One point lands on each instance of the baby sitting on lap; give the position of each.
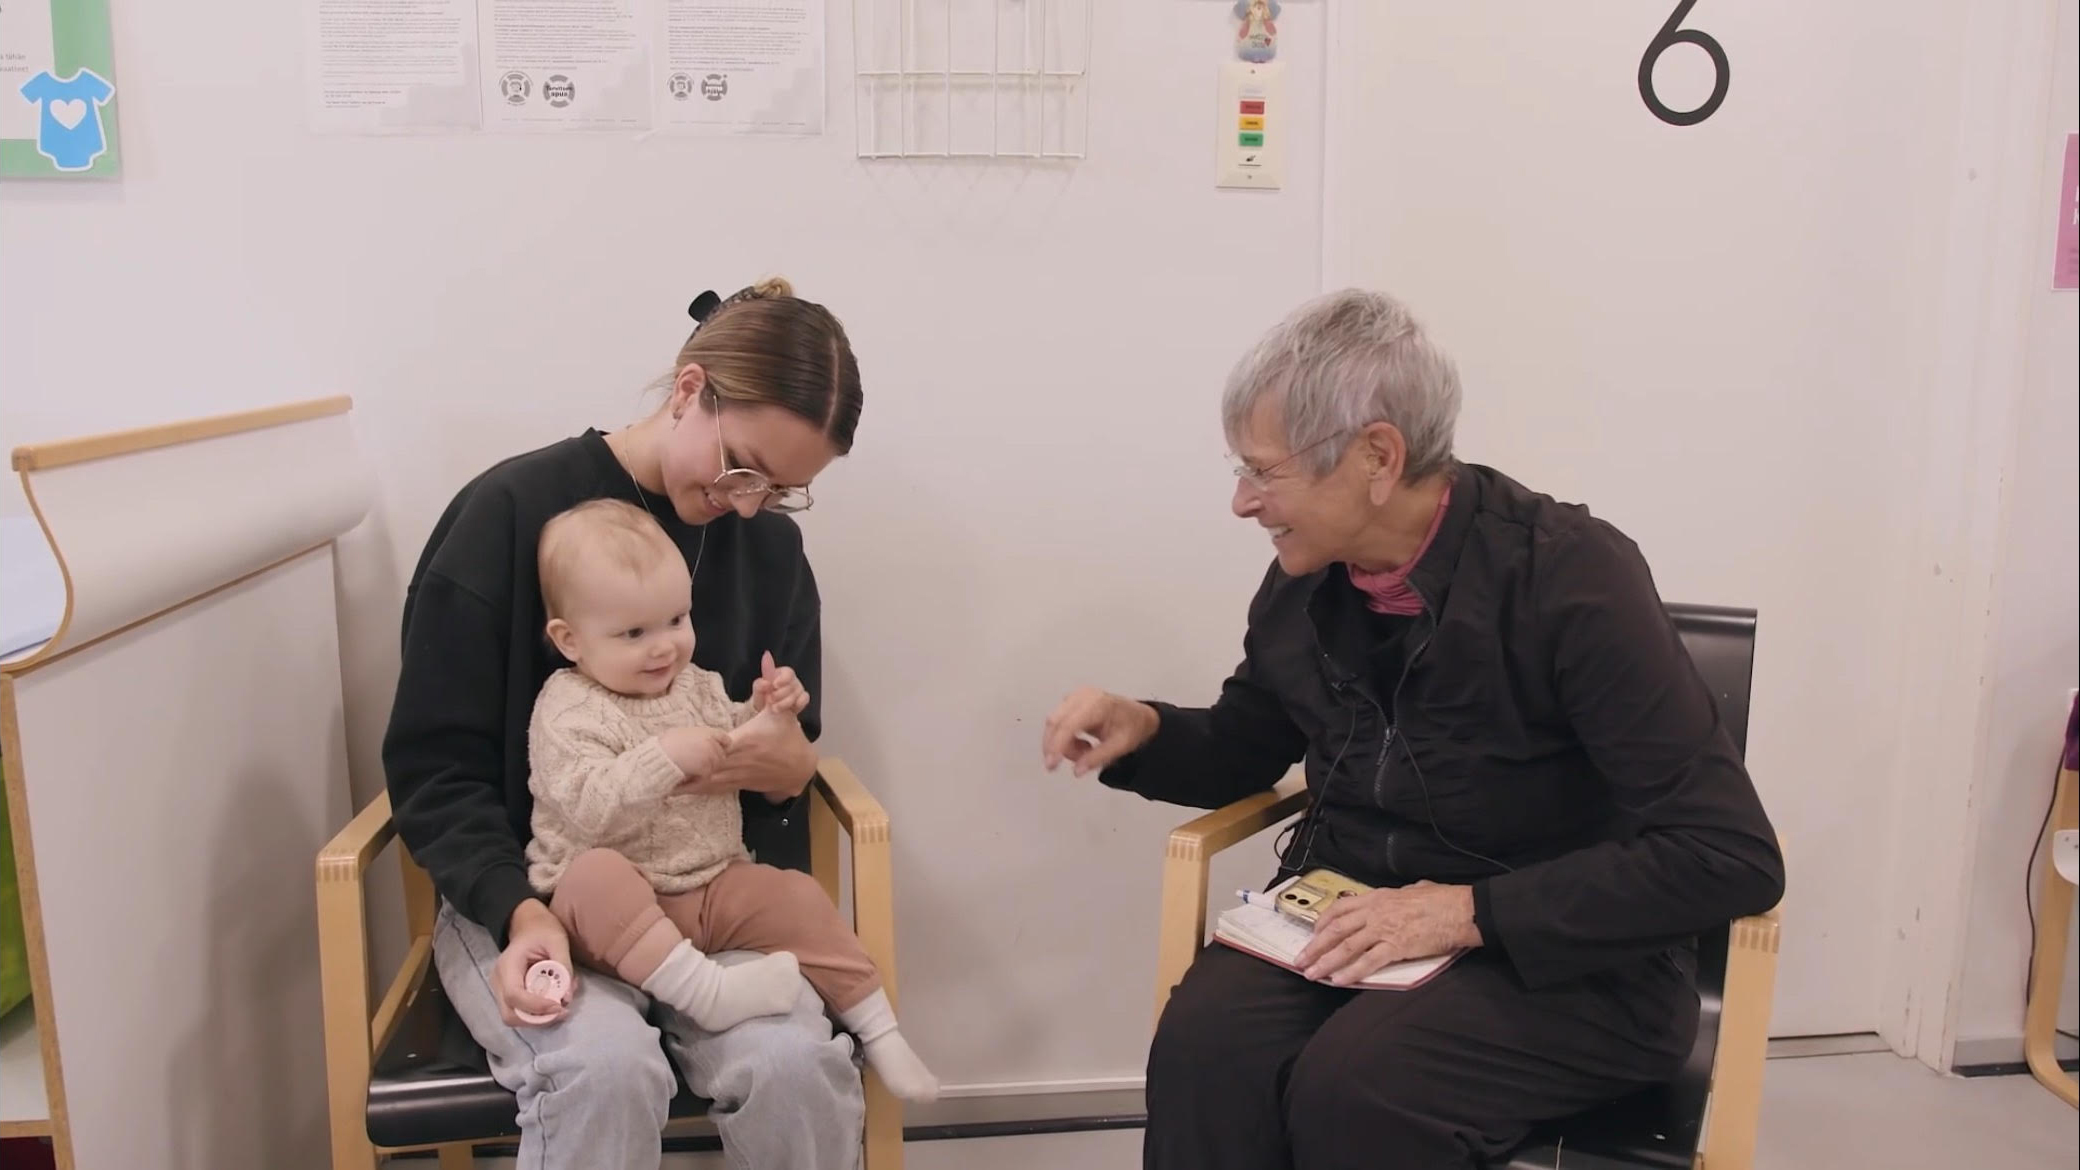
(648, 874)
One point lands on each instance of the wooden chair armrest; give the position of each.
(842, 802)
(1187, 859)
(1735, 1106)
(848, 799)
(1202, 837)
(347, 856)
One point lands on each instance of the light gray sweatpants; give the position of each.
(593, 1087)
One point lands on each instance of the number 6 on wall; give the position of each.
(1671, 34)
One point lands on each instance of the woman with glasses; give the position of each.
(1506, 746)
(762, 397)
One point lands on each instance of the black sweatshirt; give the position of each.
(1544, 738)
(475, 656)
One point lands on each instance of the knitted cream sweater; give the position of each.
(601, 780)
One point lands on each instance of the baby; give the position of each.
(647, 876)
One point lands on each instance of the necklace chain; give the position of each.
(699, 550)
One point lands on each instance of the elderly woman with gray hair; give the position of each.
(1504, 738)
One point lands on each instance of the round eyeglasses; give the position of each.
(742, 483)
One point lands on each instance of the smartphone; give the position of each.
(1306, 897)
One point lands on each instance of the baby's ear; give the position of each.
(563, 638)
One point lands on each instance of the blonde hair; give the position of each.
(617, 530)
(766, 346)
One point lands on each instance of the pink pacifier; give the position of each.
(550, 980)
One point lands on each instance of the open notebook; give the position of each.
(1274, 938)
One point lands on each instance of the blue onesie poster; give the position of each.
(57, 90)
(69, 131)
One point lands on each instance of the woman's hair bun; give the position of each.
(705, 305)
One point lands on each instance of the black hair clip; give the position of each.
(704, 306)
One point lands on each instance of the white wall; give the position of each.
(2035, 639)
(1037, 500)
(1716, 336)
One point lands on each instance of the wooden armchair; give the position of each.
(402, 1073)
(1707, 1116)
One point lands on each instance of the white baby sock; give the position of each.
(874, 1022)
(719, 998)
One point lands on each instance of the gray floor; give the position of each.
(1879, 1110)
(1819, 1113)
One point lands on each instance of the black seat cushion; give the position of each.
(1658, 1127)
(431, 1084)
(1635, 1132)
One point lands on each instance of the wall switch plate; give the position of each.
(1250, 126)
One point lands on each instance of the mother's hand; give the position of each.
(1356, 936)
(768, 755)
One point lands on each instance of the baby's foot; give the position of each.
(905, 1075)
(719, 998)
(873, 1020)
(765, 986)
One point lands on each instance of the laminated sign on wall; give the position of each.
(57, 90)
(728, 66)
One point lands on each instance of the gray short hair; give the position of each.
(1344, 361)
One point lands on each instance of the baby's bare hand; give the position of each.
(786, 695)
(779, 689)
(697, 751)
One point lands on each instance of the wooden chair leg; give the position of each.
(1735, 1108)
(2047, 977)
(873, 912)
(824, 856)
(1181, 929)
(343, 973)
(883, 1139)
(842, 802)
(461, 1156)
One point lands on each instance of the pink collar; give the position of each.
(1389, 592)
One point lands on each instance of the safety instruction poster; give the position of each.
(57, 90)
(389, 66)
(545, 66)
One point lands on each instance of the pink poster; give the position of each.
(2065, 270)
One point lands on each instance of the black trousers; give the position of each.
(1255, 1068)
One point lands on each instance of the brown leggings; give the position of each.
(618, 924)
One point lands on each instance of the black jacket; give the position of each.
(1541, 734)
(475, 656)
